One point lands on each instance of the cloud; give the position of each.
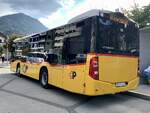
(61, 16)
(5, 9)
(53, 13)
(54, 20)
(67, 4)
(71, 9)
(37, 8)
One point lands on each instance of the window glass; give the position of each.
(117, 38)
(75, 50)
(41, 56)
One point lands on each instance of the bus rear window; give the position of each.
(117, 38)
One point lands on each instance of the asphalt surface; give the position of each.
(24, 95)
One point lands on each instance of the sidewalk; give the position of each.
(143, 92)
(4, 65)
(143, 89)
(4, 68)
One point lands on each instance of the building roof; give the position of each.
(21, 39)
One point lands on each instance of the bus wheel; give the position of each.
(44, 78)
(18, 71)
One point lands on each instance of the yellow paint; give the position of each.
(13, 65)
(117, 69)
(56, 75)
(75, 78)
(77, 83)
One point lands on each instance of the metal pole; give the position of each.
(7, 49)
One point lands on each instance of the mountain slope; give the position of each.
(20, 24)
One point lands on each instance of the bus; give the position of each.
(96, 53)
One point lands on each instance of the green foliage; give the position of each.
(140, 15)
(1, 50)
(9, 41)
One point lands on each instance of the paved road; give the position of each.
(23, 95)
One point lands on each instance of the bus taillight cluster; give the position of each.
(94, 68)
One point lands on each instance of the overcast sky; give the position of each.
(54, 13)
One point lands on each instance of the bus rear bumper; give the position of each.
(101, 88)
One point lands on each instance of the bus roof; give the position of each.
(94, 12)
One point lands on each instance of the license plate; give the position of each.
(121, 84)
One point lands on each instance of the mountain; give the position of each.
(20, 24)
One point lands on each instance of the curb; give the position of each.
(139, 95)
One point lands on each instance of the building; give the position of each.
(31, 43)
(144, 48)
(49, 40)
(21, 44)
(37, 42)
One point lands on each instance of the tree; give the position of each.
(10, 42)
(1, 50)
(140, 15)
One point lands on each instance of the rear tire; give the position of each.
(44, 78)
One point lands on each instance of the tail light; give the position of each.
(93, 71)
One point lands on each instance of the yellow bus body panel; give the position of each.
(75, 78)
(114, 69)
(13, 65)
(55, 73)
(94, 87)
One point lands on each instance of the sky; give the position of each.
(53, 13)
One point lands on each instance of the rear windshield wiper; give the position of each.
(133, 50)
(108, 48)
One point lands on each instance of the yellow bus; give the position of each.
(95, 55)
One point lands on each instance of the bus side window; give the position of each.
(30, 58)
(74, 50)
(52, 58)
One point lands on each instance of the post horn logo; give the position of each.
(73, 74)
